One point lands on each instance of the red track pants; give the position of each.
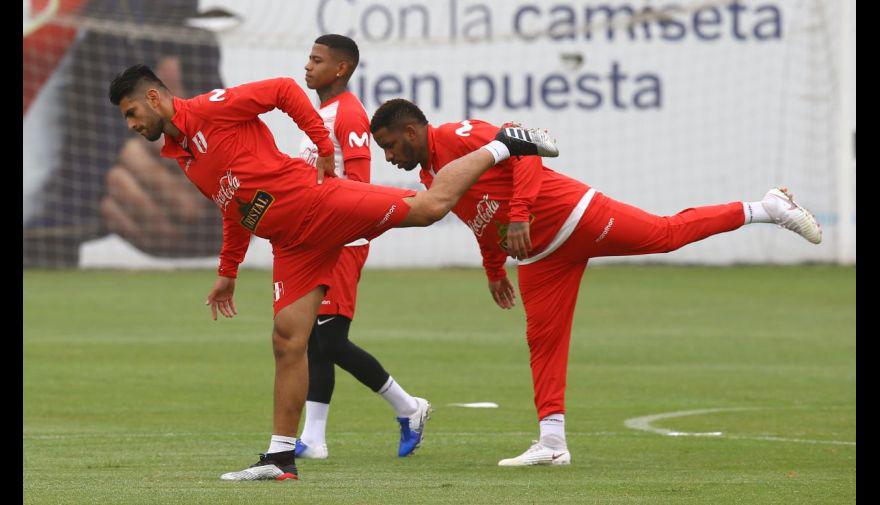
(549, 286)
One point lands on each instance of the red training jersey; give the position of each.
(346, 120)
(518, 189)
(231, 157)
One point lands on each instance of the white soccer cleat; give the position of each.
(540, 454)
(780, 205)
(304, 451)
(527, 141)
(274, 466)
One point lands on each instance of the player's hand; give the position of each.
(326, 167)
(503, 293)
(519, 243)
(220, 298)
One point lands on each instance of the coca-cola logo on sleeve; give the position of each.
(486, 209)
(228, 186)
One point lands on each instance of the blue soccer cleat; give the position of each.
(412, 428)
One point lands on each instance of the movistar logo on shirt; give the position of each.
(360, 140)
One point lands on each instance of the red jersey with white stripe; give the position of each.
(519, 189)
(346, 120)
(231, 157)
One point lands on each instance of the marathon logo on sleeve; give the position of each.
(387, 215)
(254, 211)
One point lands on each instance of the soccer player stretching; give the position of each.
(331, 63)
(224, 148)
(554, 224)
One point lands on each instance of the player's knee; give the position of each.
(314, 350)
(331, 350)
(287, 342)
(672, 240)
(334, 339)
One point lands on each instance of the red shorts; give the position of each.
(341, 299)
(348, 210)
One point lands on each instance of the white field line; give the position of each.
(645, 423)
(796, 440)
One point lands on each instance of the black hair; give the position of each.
(128, 81)
(393, 113)
(342, 44)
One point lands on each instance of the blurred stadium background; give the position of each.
(662, 105)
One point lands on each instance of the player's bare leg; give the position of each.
(290, 337)
(451, 182)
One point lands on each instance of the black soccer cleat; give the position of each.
(527, 142)
(273, 466)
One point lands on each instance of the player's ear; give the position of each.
(410, 131)
(343, 69)
(153, 97)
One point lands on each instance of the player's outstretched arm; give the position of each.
(247, 101)
(220, 297)
(458, 175)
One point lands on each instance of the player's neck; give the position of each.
(170, 130)
(332, 91)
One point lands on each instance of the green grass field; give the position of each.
(133, 395)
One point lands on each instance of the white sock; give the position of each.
(315, 425)
(498, 150)
(280, 443)
(755, 213)
(402, 403)
(553, 425)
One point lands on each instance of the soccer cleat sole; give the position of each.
(505, 462)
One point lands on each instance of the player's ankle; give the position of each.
(756, 213)
(281, 443)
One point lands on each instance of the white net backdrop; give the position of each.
(661, 105)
